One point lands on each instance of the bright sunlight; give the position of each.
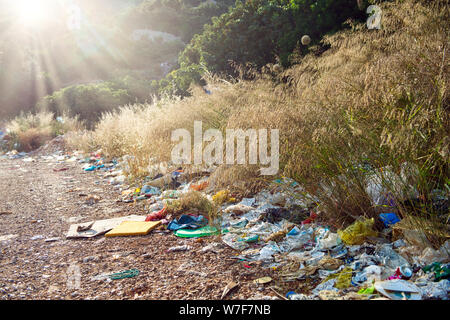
(33, 13)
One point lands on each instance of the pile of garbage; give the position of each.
(278, 230)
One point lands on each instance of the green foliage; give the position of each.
(183, 18)
(258, 31)
(263, 31)
(178, 82)
(88, 101)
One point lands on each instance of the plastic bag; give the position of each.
(331, 241)
(268, 251)
(389, 219)
(222, 196)
(390, 258)
(357, 232)
(344, 278)
(232, 240)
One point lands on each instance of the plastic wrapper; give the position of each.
(358, 232)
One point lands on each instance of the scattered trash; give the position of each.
(222, 197)
(133, 228)
(228, 289)
(179, 248)
(440, 271)
(124, 274)
(187, 222)
(197, 233)
(272, 230)
(238, 209)
(150, 190)
(213, 247)
(277, 236)
(390, 258)
(358, 232)
(389, 219)
(157, 215)
(96, 228)
(369, 290)
(329, 263)
(263, 280)
(330, 241)
(437, 290)
(200, 186)
(403, 273)
(399, 290)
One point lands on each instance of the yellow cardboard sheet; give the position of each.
(133, 228)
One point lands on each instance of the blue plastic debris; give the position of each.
(389, 219)
(187, 222)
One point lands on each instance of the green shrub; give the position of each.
(87, 101)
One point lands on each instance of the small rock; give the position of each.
(91, 259)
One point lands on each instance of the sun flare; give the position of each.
(33, 12)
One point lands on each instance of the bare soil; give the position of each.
(37, 204)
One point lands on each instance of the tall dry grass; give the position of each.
(372, 108)
(28, 132)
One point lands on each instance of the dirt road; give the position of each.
(39, 204)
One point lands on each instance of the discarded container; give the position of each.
(202, 232)
(403, 273)
(390, 257)
(440, 271)
(398, 290)
(250, 239)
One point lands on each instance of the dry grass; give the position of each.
(28, 132)
(374, 104)
(193, 202)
